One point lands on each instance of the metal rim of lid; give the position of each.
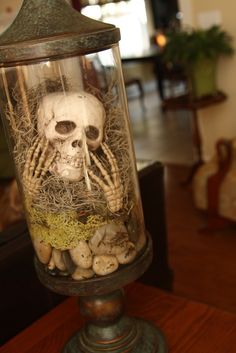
(54, 30)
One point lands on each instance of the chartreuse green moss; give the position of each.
(62, 230)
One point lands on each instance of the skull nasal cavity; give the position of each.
(76, 143)
(65, 127)
(91, 132)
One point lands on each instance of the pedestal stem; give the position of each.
(108, 330)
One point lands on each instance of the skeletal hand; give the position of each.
(111, 185)
(37, 164)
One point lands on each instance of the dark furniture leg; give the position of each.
(151, 181)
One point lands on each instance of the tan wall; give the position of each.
(186, 8)
(218, 121)
(12, 3)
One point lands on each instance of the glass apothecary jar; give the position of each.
(64, 109)
(68, 129)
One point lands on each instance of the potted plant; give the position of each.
(197, 51)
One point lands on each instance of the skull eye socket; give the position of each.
(65, 127)
(91, 132)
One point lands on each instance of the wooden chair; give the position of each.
(136, 82)
(214, 185)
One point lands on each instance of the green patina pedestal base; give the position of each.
(110, 331)
(138, 336)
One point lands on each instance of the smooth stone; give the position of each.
(43, 251)
(110, 239)
(51, 264)
(81, 255)
(105, 264)
(58, 259)
(82, 273)
(128, 255)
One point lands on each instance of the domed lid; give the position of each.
(47, 29)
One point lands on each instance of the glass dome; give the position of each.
(68, 129)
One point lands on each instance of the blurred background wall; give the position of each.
(220, 120)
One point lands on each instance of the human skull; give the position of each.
(73, 123)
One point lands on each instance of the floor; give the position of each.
(166, 137)
(203, 262)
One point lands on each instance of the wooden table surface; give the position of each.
(189, 327)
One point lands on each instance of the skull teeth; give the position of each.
(72, 161)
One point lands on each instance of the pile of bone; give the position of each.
(101, 255)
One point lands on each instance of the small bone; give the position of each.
(110, 184)
(38, 162)
(105, 264)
